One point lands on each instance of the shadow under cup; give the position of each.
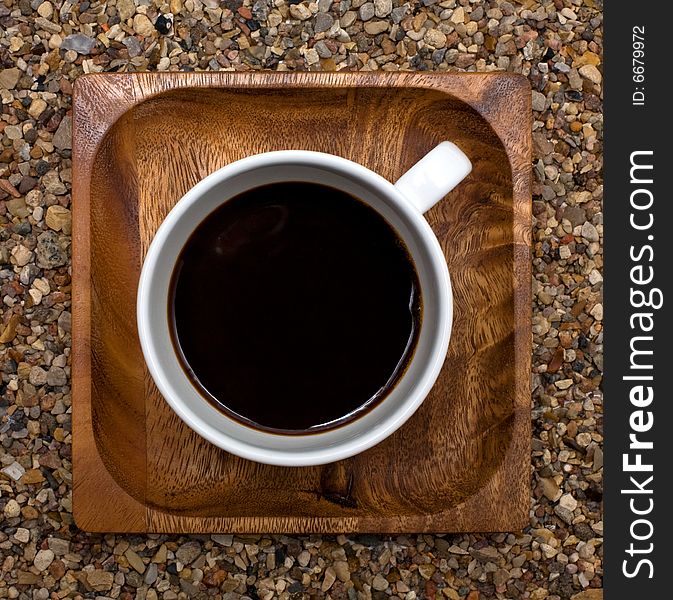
(367, 427)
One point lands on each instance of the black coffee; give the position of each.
(295, 307)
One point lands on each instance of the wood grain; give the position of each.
(462, 462)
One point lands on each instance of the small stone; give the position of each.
(589, 232)
(188, 552)
(323, 21)
(213, 578)
(9, 78)
(79, 42)
(595, 277)
(380, 583)
(27, 184)
(300, 12)
(588, 58)
(367, 11)
(500, 577)
(222, 540)
(151, 574)
(37, 106)
(59, 218)
(50, 459)
(21, 255)
(58, 546)
(376, 27)
(29, 512)
(143, 26)
(507, 48)
(574, 79)
(17, 207)
(548, 550)
(160, 555)
(399, 13)
(57, 569)
(458, 15)
(36, 295)
(304, 558)
(383, 7)
(34, 197)
(47, 25)
(322, 49)
(568, 13)
(427, 570)
(13, 132)
(312, 56)
(12, 509)
(63, 136)
(568, 502)
(591, 73)
(435, 38)
(348, 19)
(328, 580)
(564, 514)
(575, 214)
(22, 535)
(99, 580)
(438, 56)
(9, 332)
(65, 321)
(43, 559)
(518, 561)
(598, 459)
(5, 184)
(580, 197)
(134, 579)
(583, 439)
(550, 489)
(134, 560)
(563, 384)
(133, 46)
(597, 312)
(539, 101)
(592, 594)
(14, 471)
(260, 10)
(46, 10)
(38, 376)
(342, 571)
(126, 9)
(49, 252)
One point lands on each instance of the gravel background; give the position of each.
(45, 45)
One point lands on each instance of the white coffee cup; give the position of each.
(402, 205)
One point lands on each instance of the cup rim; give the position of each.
(348, 446)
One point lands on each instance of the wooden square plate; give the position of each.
(140, 141)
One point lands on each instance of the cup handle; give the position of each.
(434, 176)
